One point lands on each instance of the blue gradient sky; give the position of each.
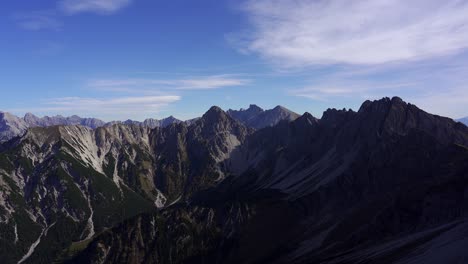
(120, 59)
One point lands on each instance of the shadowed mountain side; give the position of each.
(378, 185)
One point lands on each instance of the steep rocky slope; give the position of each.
(386, 184)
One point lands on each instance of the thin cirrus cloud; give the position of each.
(38, 20)
(438, 86)
(327, 91)
(52, 19)
(366, 49)
(140, 98)
(94, 6)
(197, 83)
(310, 32)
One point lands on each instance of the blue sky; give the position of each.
(120, 59)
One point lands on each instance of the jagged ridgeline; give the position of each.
(61, 185)
(12, 126)
(386, 184)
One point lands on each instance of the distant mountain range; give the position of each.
(258, 118)
(12, 126)
(385, 184)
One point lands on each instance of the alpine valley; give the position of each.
(385, 184)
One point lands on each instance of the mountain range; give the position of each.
(256, 117)
(385, 184)
(12, 126)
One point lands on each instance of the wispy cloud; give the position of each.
(327, 91)
(355, 50)
(52, 19)
(133, 98)
(38, 20)
(190, 83)
(210, 82)
(94, 6)
(310, 32)
(84, 103)
(137, 107)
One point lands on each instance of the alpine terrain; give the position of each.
(385, 184)
(12, 126)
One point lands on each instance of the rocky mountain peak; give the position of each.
(11, 122)
(307, 118)
(11, 126)
(30, 116)
(5, 115)
(255, 108)
(284, 112)
(393, 116)
(334, 116)
(382, 105)
(216, 123)
(215, 114)
(169, 121)
(280, 108)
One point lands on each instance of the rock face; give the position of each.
(386, 184)
(258, 118)
(11, 126)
